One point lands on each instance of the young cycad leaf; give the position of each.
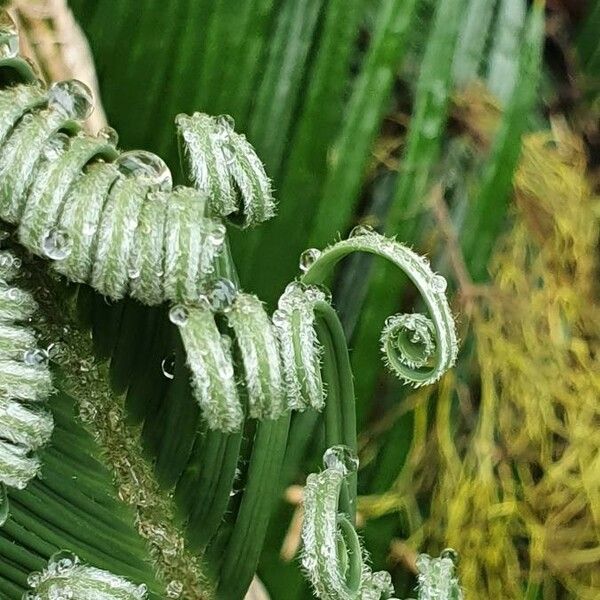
(301, 350)
(256, 339)
(224, 165)
(66, 577)
(332, 556)
(417, 348)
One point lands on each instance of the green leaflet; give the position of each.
(419, 349)
(25, 384)
(73, 505)
(224, 165)
(332, 556)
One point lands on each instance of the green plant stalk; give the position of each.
(363, 118)
(247, 538)
(503, 63)
(307, 160)
(470, 48)
(486, 214)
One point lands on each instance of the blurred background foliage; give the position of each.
(469, 129)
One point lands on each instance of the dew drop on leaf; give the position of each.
(222, 294)
(178, 315)
(308, 257)
(361, 230)
(73, 98)
(139, 163)
(62, 561)
(110, 135)
(57, 244)
(35, 357)
(450, 553)
(341, 458)
(168, 367)
(439, 283)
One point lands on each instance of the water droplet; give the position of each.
(361, 230)
(9, 36)
(140, 163)
(62, 561)
(227, 122)
(15, 294)
(178, 315)
(57, 244)
(72, 97)
(168, 367)
(317, 293)
(439, 283)
(341, 458)
(56, 146)
(222, 294)
(35, 357)
(110, 135)
(308, 257)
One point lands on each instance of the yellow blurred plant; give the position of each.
(520, 499)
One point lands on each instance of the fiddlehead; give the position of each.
(332, 557)
(417, 348)
(25, 384)
(223, 164)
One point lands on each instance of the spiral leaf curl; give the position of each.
(66, 577)
(332, 557)
(223, 164)
(280, 356)
(24, 384)
(105, 218)
(417, 348)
